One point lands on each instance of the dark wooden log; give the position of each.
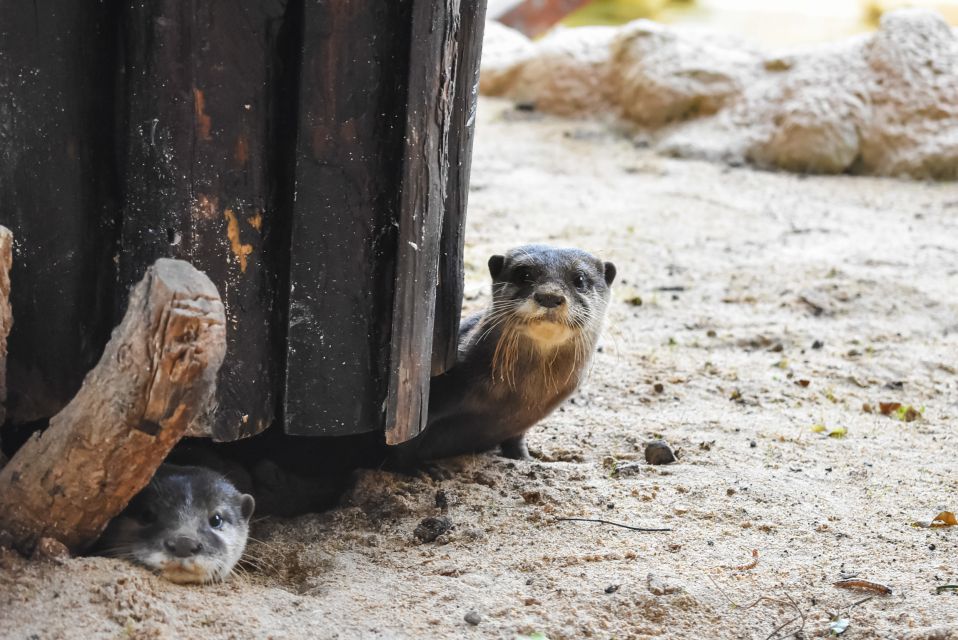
(156, 375)
(58, 193)
(461, 132)
(431, 94)
(343, 239)
(202, 89)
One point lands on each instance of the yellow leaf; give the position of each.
(944, 519)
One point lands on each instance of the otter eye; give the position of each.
(146, 517)
(578, 281)
(216, 521)
(522, 275)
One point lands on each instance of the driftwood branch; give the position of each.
(6, 318)
(156, 374)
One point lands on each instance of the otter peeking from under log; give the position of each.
(189, 525)
(518, 359)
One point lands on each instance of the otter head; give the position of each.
(189, 525)
(553, 295)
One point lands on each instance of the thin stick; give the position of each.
(614, 524)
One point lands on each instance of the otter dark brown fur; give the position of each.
(521, 357)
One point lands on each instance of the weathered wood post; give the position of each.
(156, 375)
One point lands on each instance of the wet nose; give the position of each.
(182, 546)
(549, 300)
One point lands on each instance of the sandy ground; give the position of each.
(739, 273)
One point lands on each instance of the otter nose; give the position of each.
(182, 546)
(549, 300)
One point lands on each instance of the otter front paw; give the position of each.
(515, 448)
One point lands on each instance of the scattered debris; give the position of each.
(659, 452)
(51, 549)
(803, 382)
(532, 497)
(658, 387)
(626, 469)
(635, 301)
(473, 618)
(943, 519)
(751, 565)
(863, 585)
(609, 522)
(831, 432)
(905, 413)
(431, 528)
(838, 627)
(818, 344)
(661, 587)
(945, 588)
(612, 588)
(442, 500)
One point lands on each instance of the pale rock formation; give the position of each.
(882, 104)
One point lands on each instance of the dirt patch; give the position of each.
(735, 287)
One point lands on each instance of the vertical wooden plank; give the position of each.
(200, 91)
(58, 193)
(461, 132)
(348, 158)
(431, 94)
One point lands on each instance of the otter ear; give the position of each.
(495, 265)
(247, 504)
(609, 273)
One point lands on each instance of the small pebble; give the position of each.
(431, 528)
(473, 618)
(818, 344)
(612, 588)
(752, 444)
(659, 452)
(658, 387)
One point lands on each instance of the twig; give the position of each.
(736, 605)
(614, 524)
(800, 616)
(780, 627)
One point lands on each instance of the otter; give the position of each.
(520, 358)
(189, 525)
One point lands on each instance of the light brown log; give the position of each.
(6, 319)
(156, 374)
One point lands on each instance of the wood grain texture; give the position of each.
(343, 238)
(58, 193)
(201, 92)
(461, 133)
(157, 373)
(431, 95)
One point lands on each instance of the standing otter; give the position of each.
(189, 525)
(521, 357)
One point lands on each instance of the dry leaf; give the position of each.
(944, 519)
(886, 408)
(864, 585)
(831, 432)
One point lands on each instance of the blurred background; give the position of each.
(775, 23)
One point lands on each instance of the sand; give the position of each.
(739, 273)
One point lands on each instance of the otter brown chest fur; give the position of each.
(521, 357)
